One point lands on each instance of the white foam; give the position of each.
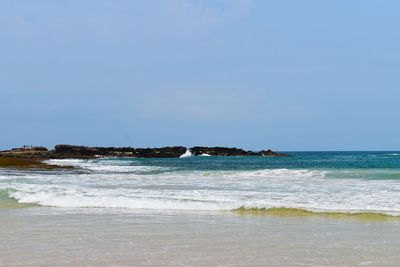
(313, 202)
(188, 153)
(113, 202)
(65, 162)
(286, 173)
(110, 187)
(205, 155)
(109, 166)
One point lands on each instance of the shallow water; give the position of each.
(102, 237)
(352, 182)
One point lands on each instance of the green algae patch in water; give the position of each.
(298, 212)
(7, 202)
(27, 163)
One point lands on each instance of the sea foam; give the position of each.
(188, 153)
(108, 166)
(132, 184)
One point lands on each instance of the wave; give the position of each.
(107, 166)
(288, 173)
(368, 174)
(121, 166)
(127, 183)
(81, 201)
(72, 198)
(299, 212)
(188, 153)
(7, 202)
(283, 174)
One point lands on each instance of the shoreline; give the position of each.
(28, 163)
(306, 213)
(279, 212)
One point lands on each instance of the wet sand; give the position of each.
(40, 236)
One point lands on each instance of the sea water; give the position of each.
(205, 211)
(350, 182)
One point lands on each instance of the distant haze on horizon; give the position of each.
(285, 75)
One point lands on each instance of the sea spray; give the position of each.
(188, 153)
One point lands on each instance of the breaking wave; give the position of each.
(298, 212)
(67, 199)
(107, 166)
(188, 153)
(131, 184)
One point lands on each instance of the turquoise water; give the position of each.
(315, 181)
(297, 160)
(362, 162)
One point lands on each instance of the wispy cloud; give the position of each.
(202, 104)
(109, 21)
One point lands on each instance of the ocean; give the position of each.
(308, 209)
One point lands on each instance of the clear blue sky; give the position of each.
(286, 75)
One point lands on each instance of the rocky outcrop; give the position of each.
(221, 151)
(26, 152)
(270, 153)
(85, 152)
(226, 151)
(28, 163)
(29, 149)
(68, 151)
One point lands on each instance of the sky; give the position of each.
(285, 75)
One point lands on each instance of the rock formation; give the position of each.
(85, 152)
(68, 151)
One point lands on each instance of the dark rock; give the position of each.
(85, 152)
(220, 151)
(226, 151)
(269, 153)
(25, 152)
(68, 151)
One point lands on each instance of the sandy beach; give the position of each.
(41, 236)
